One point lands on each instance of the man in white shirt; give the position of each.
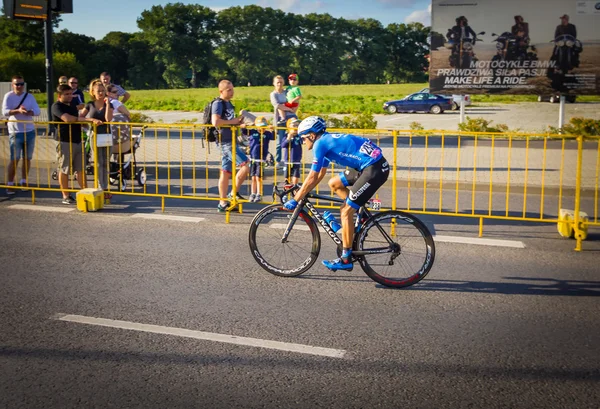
(21, 106)
(121, 93)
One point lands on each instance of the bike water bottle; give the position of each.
(330, 219)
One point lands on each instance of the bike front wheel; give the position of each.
(292, 257)
(411, 249)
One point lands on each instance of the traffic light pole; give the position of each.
(48, 50)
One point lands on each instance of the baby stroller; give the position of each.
(122, 165)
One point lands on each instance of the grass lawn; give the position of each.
(317, 99)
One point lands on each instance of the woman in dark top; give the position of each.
(100, 108)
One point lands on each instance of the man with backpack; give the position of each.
(223, 113)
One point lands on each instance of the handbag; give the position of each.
(104, 139)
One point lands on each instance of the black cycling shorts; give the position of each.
(363, 185)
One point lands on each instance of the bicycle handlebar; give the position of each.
(291, 189)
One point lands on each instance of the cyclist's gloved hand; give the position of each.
(290, 204)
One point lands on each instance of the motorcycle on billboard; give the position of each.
(510, 47)
(566, 52)
(462, 52)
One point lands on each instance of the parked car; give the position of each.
(556, 98)
(455, 98)
(419, 101)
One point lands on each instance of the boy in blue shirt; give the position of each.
(259, 148)
(291, 147)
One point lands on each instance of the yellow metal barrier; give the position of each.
(515, 176)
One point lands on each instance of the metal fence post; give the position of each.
(578, 234)
(394, 167)
(95, 146)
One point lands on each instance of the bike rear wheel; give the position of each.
(413, 249)
(297, 254)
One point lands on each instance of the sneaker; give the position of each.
(10, 191)
(237, 195)
(252, 197)
(23, 184)
(257, 198)
(68, 200)
(223, 208)
(338, 264)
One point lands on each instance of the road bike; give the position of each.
(392, 247)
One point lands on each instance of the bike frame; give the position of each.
(317, 215)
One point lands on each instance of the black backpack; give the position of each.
(211, 134)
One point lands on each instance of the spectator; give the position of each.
(223, 113)
(62, 80)
(19, 105)
(292, 151)
(78, 99)
(292, 93)
(71, 156)
(281, 113)
(259, 148)
(100, 108)
(106, 80)
(119, 108)
(121, 133)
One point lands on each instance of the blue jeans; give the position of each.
(19, 143)
(227, 156)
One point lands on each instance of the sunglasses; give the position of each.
(73, 82)
(19, 84)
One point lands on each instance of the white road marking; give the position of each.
(283, 226)
(480, 241)
(396, 118)
(64, 209)
(206, 336)
(156, 216)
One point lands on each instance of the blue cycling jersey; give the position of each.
(346, 150)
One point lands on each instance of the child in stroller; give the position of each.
(122, 165)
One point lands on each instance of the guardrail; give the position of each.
(517, 176)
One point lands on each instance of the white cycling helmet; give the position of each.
(314, 124)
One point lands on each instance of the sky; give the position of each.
(95, 20)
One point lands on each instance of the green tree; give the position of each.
(80, 45)
(32, 67)
(321, 44)
(24, 36)
(367, 56)
(144, 71)
(407, 48)
(181, 37)
(255, 42)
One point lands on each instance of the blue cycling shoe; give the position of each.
(338, 264)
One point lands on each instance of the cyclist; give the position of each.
(368, 171)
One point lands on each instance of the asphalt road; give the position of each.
(489, 327)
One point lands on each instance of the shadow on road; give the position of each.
(521, 286)
(372, 366)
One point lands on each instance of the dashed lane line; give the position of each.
(205, 336)
(155, 216)
(480, 241)
(64, 209)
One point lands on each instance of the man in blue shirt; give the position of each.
(223, 113)
(368, 172)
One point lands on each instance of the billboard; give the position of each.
(515, 47)
(26, 9)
